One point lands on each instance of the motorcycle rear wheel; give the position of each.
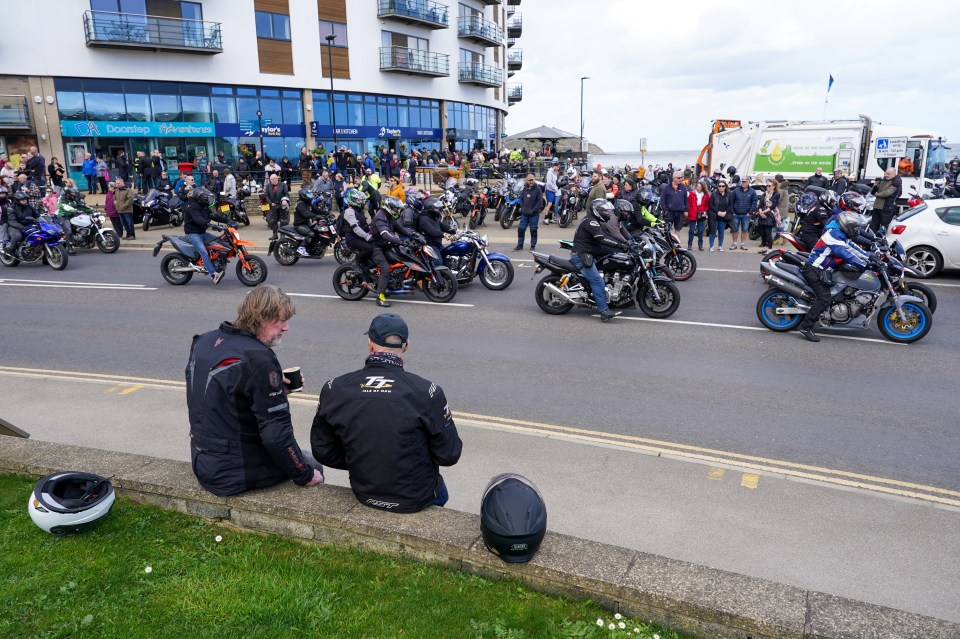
(683, 265)
(442, 287)
(8, 260)
(256, 274)
(174, 261)
(547, 301)
(669, 299)
(917, 324)
(754, 232)
(348, 282)
(286, 253)
(474, 219)
(497, 276)
(109, 242)
(769, 302)
(343, 253)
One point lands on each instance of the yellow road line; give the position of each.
(750, 480)
(132, 389)
(716, 474)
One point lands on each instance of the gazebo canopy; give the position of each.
(544, 133)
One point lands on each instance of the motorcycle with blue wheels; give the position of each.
(468, 257)
(41, 241)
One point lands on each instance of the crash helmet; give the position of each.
(393, 206)
(513, 518)
(645, 195)
(806, 202)
(853, 201)
(433, 207)
(355, 198)
(471, 183)
(306, 196)
(72, 194)
(415, 198)
(851, 223)
(202, 196)
(21, 196)
(68, 503)
(601, 209)
(624, 208)
(829, 199)
(571, 173)
(731, 170)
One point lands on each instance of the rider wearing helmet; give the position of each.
(831, 251)
(432, 226)
(360, 237)
(734, 178)
(591, 242)
(196, 218)
(19, 216)
(304, 217)
(813, 222)
(413, 208)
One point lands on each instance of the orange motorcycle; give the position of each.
(177, 268)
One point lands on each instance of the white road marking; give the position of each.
(107, 288)
(941, 284)
(12, 279)
(729, 270)
(392, 300)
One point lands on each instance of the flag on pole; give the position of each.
(829, 83)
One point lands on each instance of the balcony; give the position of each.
(423, 13)
(513, 3)
(489, 3)
(514, 93)
(515, 59)
(14, 112)
(134, 31)
(480, 74)
(515, 25)
(414, 61)
(479, 30)
(511, 42)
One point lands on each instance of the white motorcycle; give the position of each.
(87, 228)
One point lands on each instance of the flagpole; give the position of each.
(826, 96)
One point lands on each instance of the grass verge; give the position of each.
(151, 573)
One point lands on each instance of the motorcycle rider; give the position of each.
(634, 219)
(413, 208)
(431, 225)
(811, 228)
(19, 216)
(591, 242)
(304, 218)
(831, 251)
(388, 227)
(196, 218)
(360, 237)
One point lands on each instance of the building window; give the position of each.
(135, 7)
(469, 12)
(273, 26)
(392, 39)
(338, 29)
(471, 56)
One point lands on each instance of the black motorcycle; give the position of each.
(573, 199)
(235, 208)
(158, 208)
(628, 276)
(411, 267)
(291, 244)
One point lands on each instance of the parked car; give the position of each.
(930, 235)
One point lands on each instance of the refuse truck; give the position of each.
(861, 148)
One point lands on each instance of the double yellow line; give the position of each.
(709, 456)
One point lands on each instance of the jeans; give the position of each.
(91, 184)
(696, 228)
(197, 241)
(127, 220)
(528, 220)
(596, 282)
(440, 493)
(740, 223)
(718, 232)
(679, 218)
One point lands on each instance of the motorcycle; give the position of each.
(291, 245)
(178, 268)
(41, 241)
(510, 212)
(86, 224)
(478, 205)
(573, 199)
(856, 298)
(468, 257)
(235, 208)
(681, 262)
(411, 267)
(628, 277)
(158, 207)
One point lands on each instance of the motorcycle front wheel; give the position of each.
(168, 265)
(497, 276)
(905, 330)
(767, 307)
(348, 283)
(925, 293)
(286, 253)
(109, 242)
(257, 272)
(563, 218)
(547, 301)
(506, 220)
(667, 305)
(441, 287)
(343, 253)
(57, 258)
(683, 264)
(146, 223)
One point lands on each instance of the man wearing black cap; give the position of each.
(392, 430)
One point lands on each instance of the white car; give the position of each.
(930, 235)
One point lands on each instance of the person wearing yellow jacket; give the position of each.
(396, 189)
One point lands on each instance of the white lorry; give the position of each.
(862, 149)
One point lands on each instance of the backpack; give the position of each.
(341, 226)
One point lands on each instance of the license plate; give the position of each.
(224, 208)
(264, 207)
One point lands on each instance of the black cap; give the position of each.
(385, 325)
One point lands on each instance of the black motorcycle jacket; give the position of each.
(388, 229)
(196, 217)
(591, 238)
(431, 229)
(19, 216)
(241, 435)
(811, 227)
(410, 218)
(304, 215)
(390, 429)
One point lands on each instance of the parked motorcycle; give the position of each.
(468, 257)
(510, 212)
(41, 242)
(573, 199)
(178, 268)
(411, 267)
(157, 208)
(628, 277)
(478, 203)
(86, 226)
(235, 208)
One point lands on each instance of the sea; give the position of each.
(680, 159)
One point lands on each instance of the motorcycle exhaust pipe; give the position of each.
(788, 287)
(556, 291)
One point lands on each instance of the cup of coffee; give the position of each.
(296, 379)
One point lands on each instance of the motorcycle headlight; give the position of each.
(483, 240)
(323, 229)
(431, 252)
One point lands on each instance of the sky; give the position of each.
(665, 70)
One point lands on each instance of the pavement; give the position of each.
(704, 438)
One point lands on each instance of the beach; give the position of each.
(618, 159)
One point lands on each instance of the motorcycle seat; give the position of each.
(792, 268)
(183, 246)
(289, 229)
(562, 263)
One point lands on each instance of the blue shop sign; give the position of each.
(249, 130)
(382, 132)
(106, 129)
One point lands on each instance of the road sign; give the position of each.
(891, 147)
(248, 125)
(643, 145)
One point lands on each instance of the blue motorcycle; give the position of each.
(41, 241)
(511, 203)
(467, 257)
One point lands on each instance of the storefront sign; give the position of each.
(382, 132)
(468, 134)
(102, 129)
(231, 130)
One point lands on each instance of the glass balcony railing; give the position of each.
(404, 60)
(515, 25)
(480, 30)
(14, 112)
(480, 74)
(514, 93)
(108, 29)
(515, 59)
(427, 13)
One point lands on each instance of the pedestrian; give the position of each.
(839, 183)
(141, 165)
(768, 214)
(110, 209)
(886, 191)
(698, 202)
(155, 168)
(271, 168)
(532, 202)
(214, 184)
(241, 429)
(719, 215)
(286, 171)
(744, 201)
(243, 169)
(275, 192)
(396, 188)
(56, 172)
(818, 179)
(412, 165)
(305, 164)
(552, 191)
(229, 183)
(201, 164)
(674, 200)
(390, 429)
(37, 167)
(123, 200)
(257, 165)
(122, 165)
(89, 171)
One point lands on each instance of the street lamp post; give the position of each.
(333, 119)
(260, 129)
(581, 111)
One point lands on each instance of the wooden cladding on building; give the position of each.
(276, 56)
(332, 10)
(341, 62)
(272, 6)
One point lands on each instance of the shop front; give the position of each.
(373, 139)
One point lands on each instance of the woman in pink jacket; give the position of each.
(698, 203)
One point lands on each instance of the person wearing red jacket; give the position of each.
(698, 203)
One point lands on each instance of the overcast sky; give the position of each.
(664, 70)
